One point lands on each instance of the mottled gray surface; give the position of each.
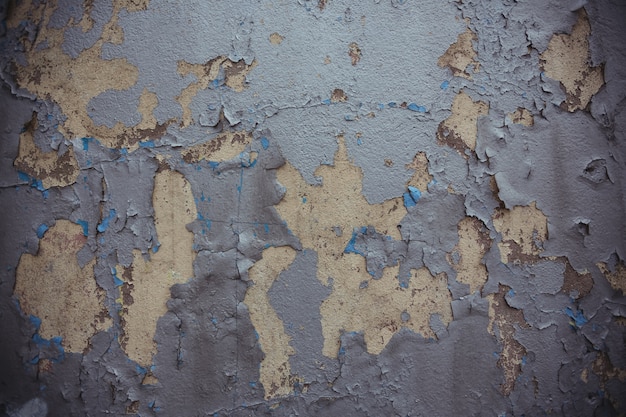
(571, 164)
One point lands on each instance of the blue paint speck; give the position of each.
(265, 143)
(415, 107)
(105, 222)
(408, 201)
(349, 117)
(350, 247)
(213, 164)
(41, 230)
(266, 227)
(444, 85)
(147, 144)
(326, 101)
(359, 141)
(392, 104)
(85, 226)
(86, 142)
(118, 282)
(381, 106)
(577, 316)
(404, 284)
(303, 200)
(511, 293)
(415, 193)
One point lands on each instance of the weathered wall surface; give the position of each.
(297, 207)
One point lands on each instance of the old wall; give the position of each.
(298, 207)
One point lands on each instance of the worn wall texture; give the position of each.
(298, 207)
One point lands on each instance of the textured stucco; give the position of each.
(271, 207)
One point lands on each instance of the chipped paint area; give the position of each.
(72, 83)
(461, 57)
(505, 319)
(224, 147)
(354, 52)
(467, 256)
(523, 229)
(350, 306)
(276, 38)
(54, 168)
(522, 116)
(232, 74)
(614, 274)
(421, 177)
(53, 287)
(147, 282)
(567, 60)
(275, 370)
(459, 129)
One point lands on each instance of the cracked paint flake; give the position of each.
(421, 177)
(53, 287)
(461, 57)
(567, 60)
(275, 369)
(459, 130)
(53, 168)
(147, 282)
(523, 229)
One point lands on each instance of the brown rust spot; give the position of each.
(575, 284)
(338, 96)
(224, 147)
(354, 52)
(506, 318)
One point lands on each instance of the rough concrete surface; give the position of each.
(312, 207)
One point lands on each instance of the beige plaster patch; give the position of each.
(224, 147)
(461, 56)
(72, 83)
(234, 77)
(52, 168)
(522, 116)
(521, 228)
(52, 286)
(567, 60)
(505, 318)
(276, 38)
(315, 213)
(147, 282)
(275, 372)
(421, 178)
(616, 277)
(473, 243)
(459, 130)
(377, 308)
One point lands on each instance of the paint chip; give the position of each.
(354, 52)
(521, 116)
(276, 38)
(474, 242)
(223, 147)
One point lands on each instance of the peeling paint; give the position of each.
(523, 230)
(567, 60)
(461, 57)
(473, 244)
(459, 130)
